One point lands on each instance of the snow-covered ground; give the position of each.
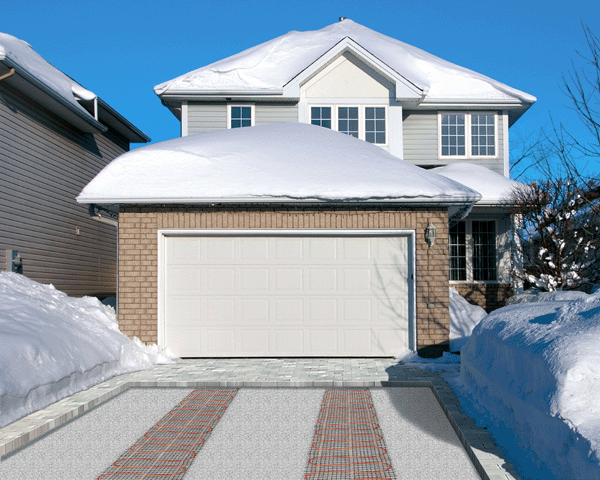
(529, 373)
(53, 346)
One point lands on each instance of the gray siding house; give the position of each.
(54, 137)
(416, 106)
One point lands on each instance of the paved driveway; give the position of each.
(266, 432)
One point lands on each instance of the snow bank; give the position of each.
(464, 317)
(493, 187)
(23, 55)
(268, 67)
(533, 370)
(289, 161)
(533, 296)
(53, 346)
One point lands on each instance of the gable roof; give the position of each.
(269, 67)
(278, 163)
(28, 72)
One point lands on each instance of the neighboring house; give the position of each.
(241, 248)
(55, 136)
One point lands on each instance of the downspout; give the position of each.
(9, 74)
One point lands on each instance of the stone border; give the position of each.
(487, 459)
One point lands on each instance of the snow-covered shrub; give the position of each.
(557, 236)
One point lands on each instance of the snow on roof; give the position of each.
(269, 66)
(493, 187)
(281, 162)
(22, 55)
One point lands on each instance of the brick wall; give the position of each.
(138, 251)
(489, 296)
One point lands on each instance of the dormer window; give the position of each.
(467, 135)
(320, 116)
(240, 116)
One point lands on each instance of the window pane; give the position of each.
(453, 134)
(320, 116)
(375, 125)
(458, 258)
(348, 120)
(483, 134)
(236, 123)
(484, 250)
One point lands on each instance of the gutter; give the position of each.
(81, 113)
(462, 200)
(103, 215)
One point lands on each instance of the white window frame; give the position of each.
(361, 118)
(469, 250)
(231, 105)
(468, 140)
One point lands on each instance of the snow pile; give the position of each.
(268, 67)
(25, 58)
(531, 296)
(494, 188)
(532, 370)
(464, 317)
(288, 161)
(53, 346)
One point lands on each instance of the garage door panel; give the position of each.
(286, 295)
(322, 342)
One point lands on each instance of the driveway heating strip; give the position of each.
(169, 448)
(348, 443)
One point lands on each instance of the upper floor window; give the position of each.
(472, 246)
(320, 116)
(241, 116)
(364, 122)
(467, 135)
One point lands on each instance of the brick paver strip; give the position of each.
(169, 448)
(348, 443)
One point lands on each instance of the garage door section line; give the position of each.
(169, 448)
(348, 442)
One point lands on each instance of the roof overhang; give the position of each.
(515, 108)
(82, 118)
(41, 93)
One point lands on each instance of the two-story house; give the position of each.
(356, 264)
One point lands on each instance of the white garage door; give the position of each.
(285, 295)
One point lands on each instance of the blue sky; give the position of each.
(121, 49)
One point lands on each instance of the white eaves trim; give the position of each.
(441, 200)
(405, 90)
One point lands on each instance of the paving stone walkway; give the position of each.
(271, 372)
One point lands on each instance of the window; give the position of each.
(348, 120)
(472, 246)
(320, 116)
(458, 251)
(375, 124)
(454, 140)
(482, 135)
(241, 116)
(364, 122)
(484, 250)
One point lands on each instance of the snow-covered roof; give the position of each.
(268, 67)
(58, 92)
(289, 162)
(495, 189)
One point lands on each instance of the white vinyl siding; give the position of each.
(296, 294)
(44, 165)
(276, 112)
(206, 117)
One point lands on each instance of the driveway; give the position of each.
(266, 432)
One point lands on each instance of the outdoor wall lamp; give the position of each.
(14, 261)
(430, 234)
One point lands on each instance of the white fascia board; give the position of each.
(292, 88)
(441, 201)
(186, 95)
